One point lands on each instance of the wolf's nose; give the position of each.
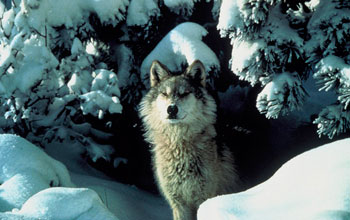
(172, 110)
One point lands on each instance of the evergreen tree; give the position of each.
(279, 44)
(51, 73)
(329, 56)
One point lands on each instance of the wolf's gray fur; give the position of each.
(179, 116)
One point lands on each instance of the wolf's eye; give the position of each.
(164, 94)
(182, 95)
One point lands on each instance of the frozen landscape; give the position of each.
(72, 73)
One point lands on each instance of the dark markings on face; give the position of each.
(177, 87)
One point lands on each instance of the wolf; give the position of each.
(179, 114)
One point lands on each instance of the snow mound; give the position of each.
(180, 47)
(25, 170)
(26, 175)
(312, 186)
(77, 203)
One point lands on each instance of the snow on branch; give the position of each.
(263, 43)
(181, 7)
(333, 120)
(242, 17)
(180, 47)
(140, 12)
(50, 12)
(246, 60)
(329, 53)
(283, 94)
(332, 72)
(329, 28)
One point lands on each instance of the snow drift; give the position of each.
(27, 173)
(312, 186)
(35, 186)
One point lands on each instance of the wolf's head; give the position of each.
(178, 99)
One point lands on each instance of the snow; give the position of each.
(33, 61)
(97, 102)
(79, 82)
(271, 99)
(277, 29)
(327, 117)
(229, 17)
(105, 81)
(332, 64)
(36, 186)
(312, 186)
(140, 12)
(326, 15)
(22, 174)
(49, 12)
(52, 203)
(6, 56)
(125, 63)
(244, 54)
(2, 9)
(180, 47)
(7, 21)
(184, 7)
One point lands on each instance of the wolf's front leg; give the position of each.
(184, 213)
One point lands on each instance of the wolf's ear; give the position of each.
(158, 72)
(196, 71)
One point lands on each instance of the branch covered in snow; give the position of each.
(333, 120)
(283, 94)
(243, 17)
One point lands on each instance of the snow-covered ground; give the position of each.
(312, 186)
(36, 186)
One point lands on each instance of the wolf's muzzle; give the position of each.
(172, 111)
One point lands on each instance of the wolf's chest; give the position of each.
(185, 173)
(179, 164)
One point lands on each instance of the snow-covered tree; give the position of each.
(280, 43)
(51, 74)
(329, 55)
(265, 50)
